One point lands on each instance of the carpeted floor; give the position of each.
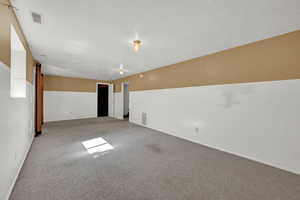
(144, 164)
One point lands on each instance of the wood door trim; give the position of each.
(39, 100)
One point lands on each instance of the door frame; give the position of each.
(110, 98)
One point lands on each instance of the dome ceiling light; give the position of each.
(136, 45)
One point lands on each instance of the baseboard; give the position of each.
(224, 150)
(19, 169)
(71, 118)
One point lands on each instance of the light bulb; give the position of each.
(121, 72)
(136, 45)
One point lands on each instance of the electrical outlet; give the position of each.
(197, 130)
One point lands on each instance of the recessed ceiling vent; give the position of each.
(36, 17)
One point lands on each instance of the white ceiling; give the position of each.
(90, 38)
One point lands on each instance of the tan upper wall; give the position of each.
(60, 83)
(277, 58)
(8, 17)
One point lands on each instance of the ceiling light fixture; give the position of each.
(121, 69)
(136, 45)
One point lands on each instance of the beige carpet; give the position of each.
(144, 165)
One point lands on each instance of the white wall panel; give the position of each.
(60, 105)
(111, 100)
(118, 105)
(16, 131)
(259, 121)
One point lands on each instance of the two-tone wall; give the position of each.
(272, 59)
(16, 115)
(244, 100)
(68, 98)
(8, 18)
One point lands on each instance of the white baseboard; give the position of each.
(218, 149)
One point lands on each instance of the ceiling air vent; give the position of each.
(36, 17)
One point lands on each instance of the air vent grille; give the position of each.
(36, 17)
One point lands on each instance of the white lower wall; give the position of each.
(16, 131)
(60, 105)
(259, 121)
(118, 105)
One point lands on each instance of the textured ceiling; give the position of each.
(90, 38)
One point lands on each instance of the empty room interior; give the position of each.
(149, 100)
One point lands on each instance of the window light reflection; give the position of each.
(97, 145)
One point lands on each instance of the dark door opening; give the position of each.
(126, 101)
(102, 104)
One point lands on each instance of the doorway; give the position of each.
(125, 101)
(102, 100)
